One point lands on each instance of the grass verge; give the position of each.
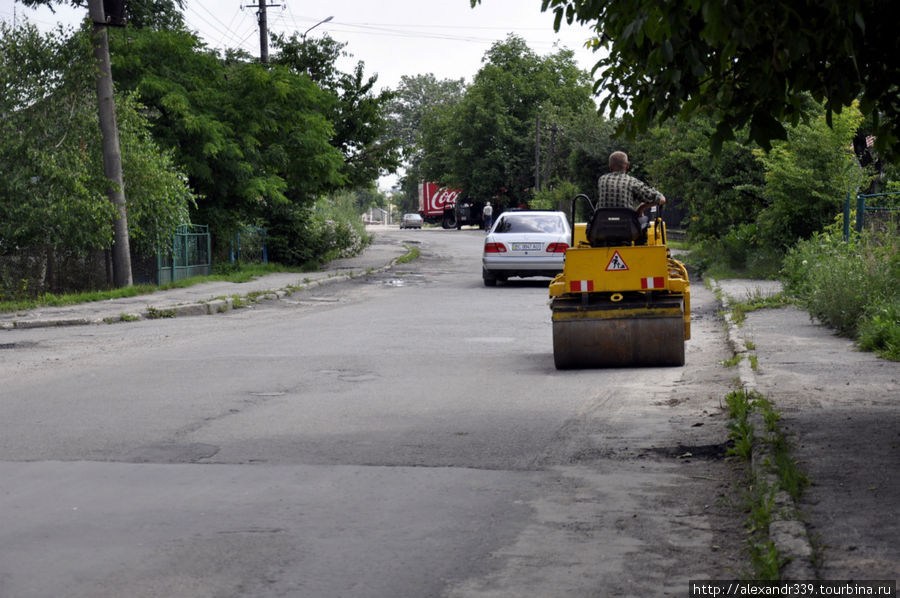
(228, 273)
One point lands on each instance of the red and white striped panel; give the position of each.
(581, 286)
(654, 282)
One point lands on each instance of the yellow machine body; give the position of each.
(620, 306)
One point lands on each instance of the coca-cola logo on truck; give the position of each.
(433, 198)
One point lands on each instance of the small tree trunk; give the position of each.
(112, 157)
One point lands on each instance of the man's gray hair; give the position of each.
(618, 161)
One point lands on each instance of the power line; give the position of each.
(426, 31)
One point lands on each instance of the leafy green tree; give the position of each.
(586, 141)
(752, 62)
(414, 99)
(49, 197)
(485, 144)
(807, 177)
(112, 155)
(254, 139)
(155, 14)
(53, 198)
(159, 199)
(719, 192)
(357, 113)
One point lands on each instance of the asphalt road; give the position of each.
(401, 434)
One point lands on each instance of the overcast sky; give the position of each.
(393, 37)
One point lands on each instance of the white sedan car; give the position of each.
(525, 243)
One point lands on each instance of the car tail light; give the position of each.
(494, 248)
(557, 247)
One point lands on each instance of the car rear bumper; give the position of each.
(527, 265)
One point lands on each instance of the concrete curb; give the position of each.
(786, 530)
(211, 306)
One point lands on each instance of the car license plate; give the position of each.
(526, 246)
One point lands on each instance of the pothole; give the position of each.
(18, 345)
(399, 280)
(712, 452)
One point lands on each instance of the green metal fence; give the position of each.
(249, 246)
(874, 211)
(189, 255)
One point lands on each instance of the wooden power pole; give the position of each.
(537, 154)
(112, 156)
(263, 29)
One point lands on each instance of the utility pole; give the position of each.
(550, 152)
(537, 154)
(112, 155)
(263, 28)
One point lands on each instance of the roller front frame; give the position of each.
(620, 306)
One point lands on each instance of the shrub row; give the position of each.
(852, 286)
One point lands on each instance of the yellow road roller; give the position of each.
(621, 299)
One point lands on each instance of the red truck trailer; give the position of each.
(438, 204)
(443, 204)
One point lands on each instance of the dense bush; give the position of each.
(851, 286)
(331, 229)
(559, 197)
(880, 331)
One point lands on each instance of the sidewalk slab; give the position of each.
(207, 298)
(839, 409)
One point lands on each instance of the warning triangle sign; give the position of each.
(616, 263)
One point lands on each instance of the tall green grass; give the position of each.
(852, 286)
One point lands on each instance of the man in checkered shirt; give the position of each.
(620, 190)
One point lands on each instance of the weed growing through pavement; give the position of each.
(765, 560)
(730, 363)
(122, 318)
(412, 253)
(760, 502)
(740, 309)
(740, 429)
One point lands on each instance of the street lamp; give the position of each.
(325, 20)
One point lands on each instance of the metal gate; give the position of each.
(189, 255)
(874, 211)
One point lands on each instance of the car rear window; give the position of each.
(530, 223)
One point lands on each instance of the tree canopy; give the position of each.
(254, 139)
(53, 194)
(357, 112)
(414, 101)
(747, 64)
(485, 143)
(153, 14)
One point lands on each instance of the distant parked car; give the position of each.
(525, 243)
(411, 221)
